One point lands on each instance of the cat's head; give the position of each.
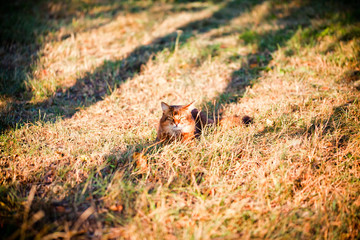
(177, 117)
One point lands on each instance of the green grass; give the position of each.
(80, 95)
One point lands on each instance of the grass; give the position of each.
(80, 96)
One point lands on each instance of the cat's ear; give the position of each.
(164, 107)
(190, 106)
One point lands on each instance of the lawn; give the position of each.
(81, 82)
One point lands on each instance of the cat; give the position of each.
(185, 122)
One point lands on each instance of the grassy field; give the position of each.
(80, 89)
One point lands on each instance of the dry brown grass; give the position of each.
(80, 162)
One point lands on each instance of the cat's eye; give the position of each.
(178, 117)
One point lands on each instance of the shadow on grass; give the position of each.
(87, 91)
(95, 86)
(298, 19)
(24, 27)
(25, 24)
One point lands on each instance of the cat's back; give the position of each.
(201, 120)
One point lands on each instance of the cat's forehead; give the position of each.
(176, 109)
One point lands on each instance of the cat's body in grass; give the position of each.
(184, 122)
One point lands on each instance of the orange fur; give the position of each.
(176, 123)
(184, 122)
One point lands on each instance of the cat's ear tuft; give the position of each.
(190, 106)
(164, 107)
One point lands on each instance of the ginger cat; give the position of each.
(184, 122)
